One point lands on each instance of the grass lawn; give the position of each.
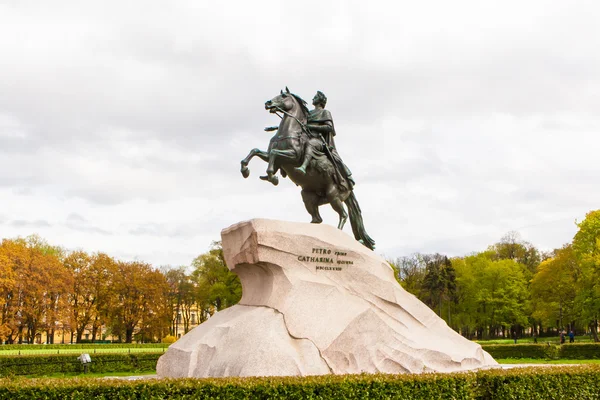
(542, 361)
(66, 350)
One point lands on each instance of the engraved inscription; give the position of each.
(328, 260)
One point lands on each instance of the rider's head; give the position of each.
(320, 99)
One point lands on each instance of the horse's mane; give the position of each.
(302, 103)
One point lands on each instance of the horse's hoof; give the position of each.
(245, 172)
(274, 180)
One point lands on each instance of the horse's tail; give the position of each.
(356, 221)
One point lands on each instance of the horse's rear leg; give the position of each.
(333, 195)
(311, 202)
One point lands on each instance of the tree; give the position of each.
(439, 282)
(586, 246)
(216, 285)
(503, 296)
(37, 298)
(512, 247)
(182, 298)
(156, 312)
(467, 291)
(90, 290)
(101, 271)
(7, 284)
(491, 294)
(410, 272)
(138, 298)
(554, 289)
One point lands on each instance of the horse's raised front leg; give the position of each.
(263, 155)
(271, 169)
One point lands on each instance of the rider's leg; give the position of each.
(308, 155)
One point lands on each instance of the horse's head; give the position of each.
(285, 101)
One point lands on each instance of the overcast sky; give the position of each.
(122, 123)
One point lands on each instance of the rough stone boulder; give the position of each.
(315, 301)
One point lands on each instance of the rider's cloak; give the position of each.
(323, 117)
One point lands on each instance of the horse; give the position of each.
(321, 182)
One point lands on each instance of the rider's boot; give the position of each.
(302, 168)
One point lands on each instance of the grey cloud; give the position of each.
(19, 223)
(79, 223)
(76, 218)
(165, 230)
(88, 229)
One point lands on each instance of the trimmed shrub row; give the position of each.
(80, 346)
(565, 382)
(583, 351)
(541, 351)
(68, 363)
(579, 382)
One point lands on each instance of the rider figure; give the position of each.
(320, 124)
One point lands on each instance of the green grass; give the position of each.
(543, 361)
(66, 350)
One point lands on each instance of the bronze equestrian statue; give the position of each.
(303, 149)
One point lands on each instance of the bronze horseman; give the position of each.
(303, 149)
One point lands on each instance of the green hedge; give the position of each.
(578, 351)
(80, 346)
(541, 351)
(583, 351)
(68, 363)
(565, 382)
(578, 382)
